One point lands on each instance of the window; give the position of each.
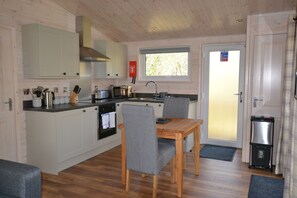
(170, 64)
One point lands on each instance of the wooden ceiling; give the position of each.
(138, 20)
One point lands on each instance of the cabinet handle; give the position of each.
(96, 109)
(117, 74)
(118, 105)
(108, 74)
(64, 73)
(77, 74)
(160, 105)
(146, 104)
(84, 110)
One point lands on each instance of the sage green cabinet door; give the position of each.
(69, 54)
(69, 134)
(121, 61)
(49, 52)
(90, 120)
(117, 66)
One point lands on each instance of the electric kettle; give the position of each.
(48, 97)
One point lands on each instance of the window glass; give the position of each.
(165, 64)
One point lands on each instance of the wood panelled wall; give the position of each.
(14, 13)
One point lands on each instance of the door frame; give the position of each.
(204, 100)
(15, 107)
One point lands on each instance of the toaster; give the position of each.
(102, 94)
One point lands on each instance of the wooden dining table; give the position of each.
(177, 129)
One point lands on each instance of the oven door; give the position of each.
(107, 120)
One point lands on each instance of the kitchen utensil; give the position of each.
(48, 97)
(73, 98)
(36, 102)
(76, 89)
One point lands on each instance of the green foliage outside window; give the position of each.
(166, 64)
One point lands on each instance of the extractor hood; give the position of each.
(86, 52)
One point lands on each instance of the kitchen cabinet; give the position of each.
(158, 109)
(117, 67)
(90, 120)
(69, 134)
(56, 141)
(49, 52)
(76, 132)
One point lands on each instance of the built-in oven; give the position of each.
(107, 120)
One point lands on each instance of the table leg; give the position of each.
(197, 150)
(123, 157)
(179, 163)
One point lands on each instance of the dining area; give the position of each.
(149, 143)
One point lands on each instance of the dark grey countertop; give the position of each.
(66, 107)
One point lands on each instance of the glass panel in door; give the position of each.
(222, 99)
(223, 84)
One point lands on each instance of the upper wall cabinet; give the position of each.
(49, 52)
(117, 67)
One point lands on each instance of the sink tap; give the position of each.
(156, 87)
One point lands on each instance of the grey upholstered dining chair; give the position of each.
(176, 107)
(144, 152)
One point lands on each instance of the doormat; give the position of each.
(266, 187)
(218, 152)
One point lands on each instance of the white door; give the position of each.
(222, 101)
(267, 74)
(8, 138)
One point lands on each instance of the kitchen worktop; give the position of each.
(69, 106)
(140, 97)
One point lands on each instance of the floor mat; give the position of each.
(265, 187)
(217, 152)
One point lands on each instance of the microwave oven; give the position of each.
(123, 91)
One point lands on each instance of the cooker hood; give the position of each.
(86, 52)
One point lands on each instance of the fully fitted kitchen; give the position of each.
(62, 133)
(68, 134)
(61, 104)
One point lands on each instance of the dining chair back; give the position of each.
(144, 153)
(176, 107)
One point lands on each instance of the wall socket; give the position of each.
(65, 89)
(26, 91)
(56, 89)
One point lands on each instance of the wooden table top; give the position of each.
(176, 125)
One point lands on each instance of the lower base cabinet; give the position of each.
(158, 109)
(56, 141)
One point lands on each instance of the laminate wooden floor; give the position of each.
(101, 177)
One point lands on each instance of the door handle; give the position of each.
(255, 100)
(240, 96)
(9, 104)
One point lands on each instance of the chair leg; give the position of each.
(173, 170)
(127, 180)
(184, 160)
(155, 186)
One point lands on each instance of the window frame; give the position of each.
(142, 65)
